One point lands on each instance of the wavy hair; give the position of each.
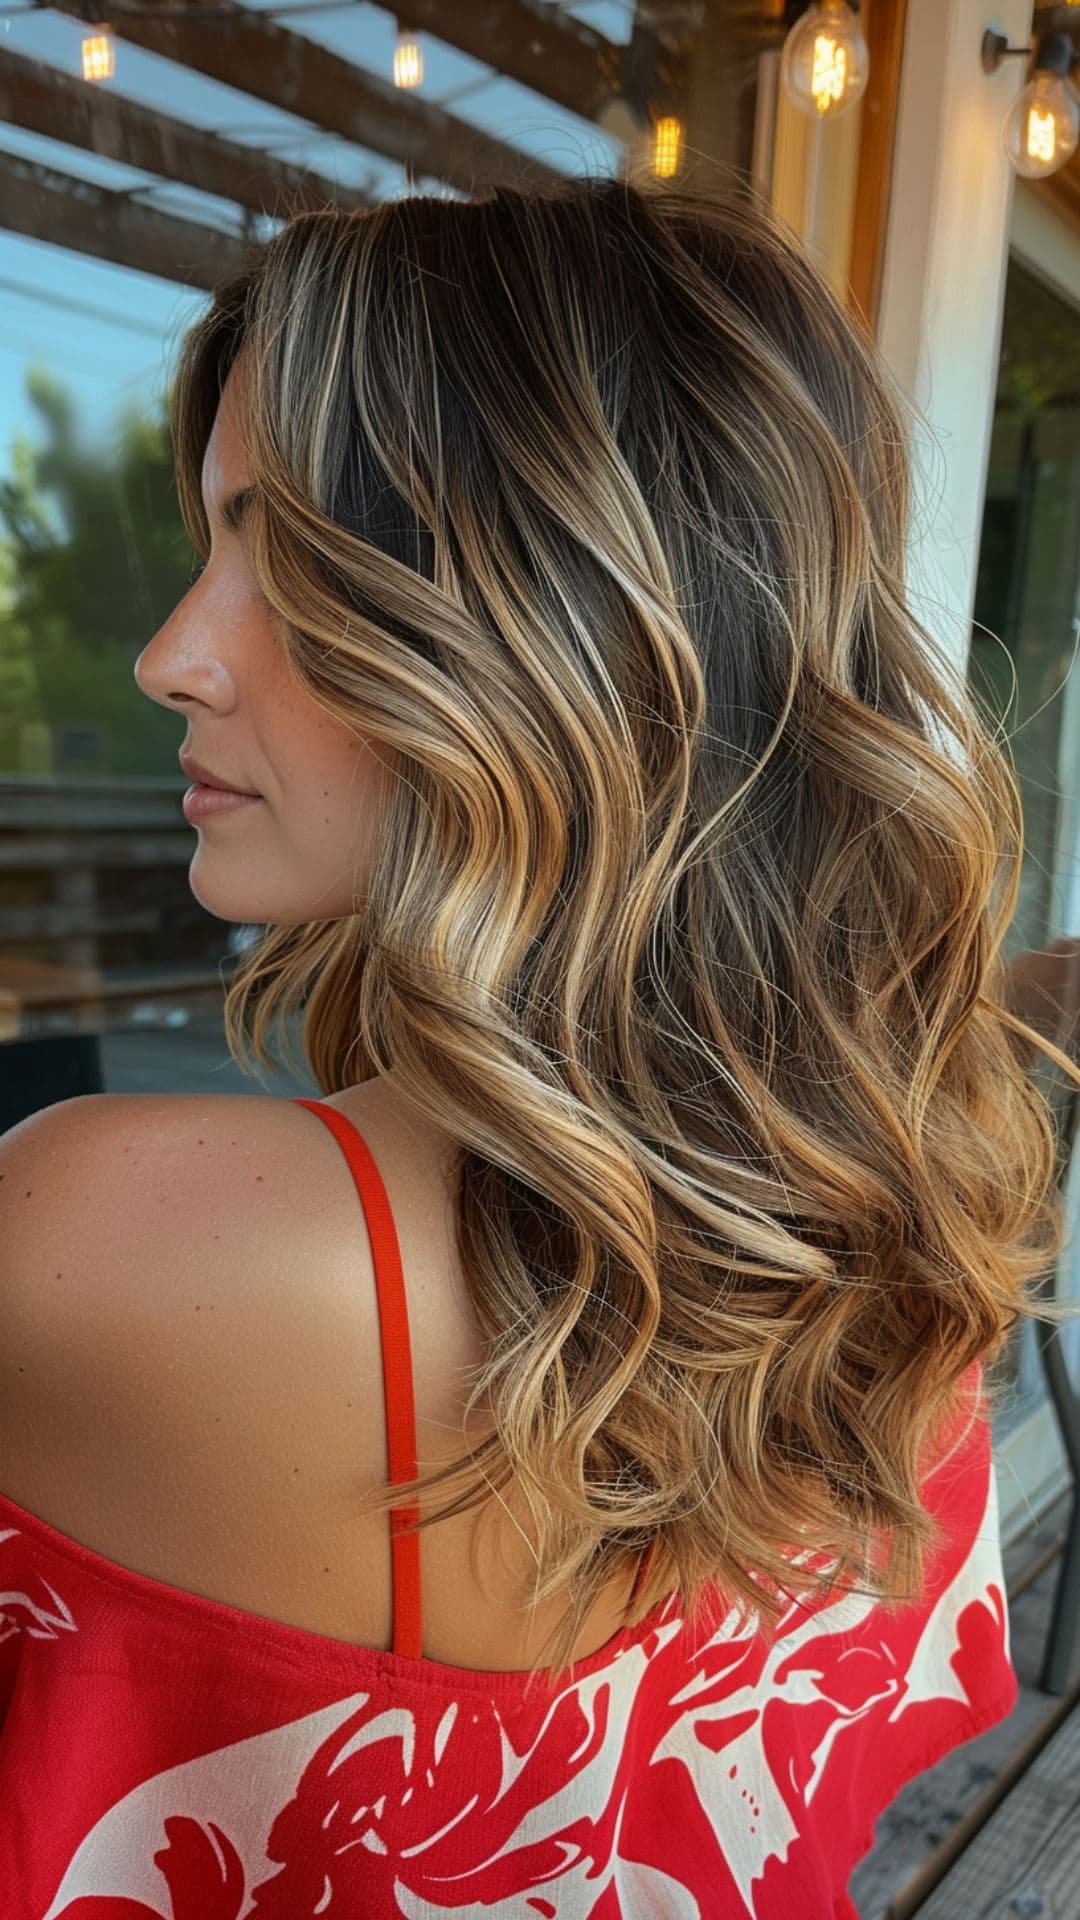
(687, 912)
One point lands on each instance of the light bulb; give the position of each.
(825, 65)
(408, 60)
(98, 56)
(667, 147)
(1042, 127)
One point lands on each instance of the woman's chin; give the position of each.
(229, 895)
(234, 896)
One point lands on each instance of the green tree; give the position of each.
(21, 724)
(83, 587)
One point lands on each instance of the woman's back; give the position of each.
(149, 1731)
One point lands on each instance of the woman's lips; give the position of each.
(204, 803)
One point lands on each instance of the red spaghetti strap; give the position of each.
(396, 1366)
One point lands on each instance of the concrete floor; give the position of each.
(193, 1058)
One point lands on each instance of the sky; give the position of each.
(112, 334)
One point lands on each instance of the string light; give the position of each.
(408, 58)
(1041, 128)
(98, 55)
(825, 64)
(667, 146)
(1041, 131)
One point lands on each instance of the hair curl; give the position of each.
(687, 914)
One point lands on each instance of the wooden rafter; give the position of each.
(241, 48)
(113, 225)
(564, 60)
(41, 99)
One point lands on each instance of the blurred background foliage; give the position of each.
(93, 558)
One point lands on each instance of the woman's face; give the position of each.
(301, 850)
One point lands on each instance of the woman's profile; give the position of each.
(637, 871)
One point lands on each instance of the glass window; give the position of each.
(1027, 623)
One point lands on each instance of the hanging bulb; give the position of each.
(408, 59)
(98, 55)
(825, 65)
(667, 147)
(1041, 130)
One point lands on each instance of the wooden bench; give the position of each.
(1019, 1847)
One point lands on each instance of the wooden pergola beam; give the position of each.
(260, 58)
(112, 225)
(562, 59)
(41, 99)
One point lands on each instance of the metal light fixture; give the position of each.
(824, 65)
(1041, 130)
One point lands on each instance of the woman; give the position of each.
(641, 882)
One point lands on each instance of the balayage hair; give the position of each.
(686, 915)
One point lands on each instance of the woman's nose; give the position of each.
(180, 664)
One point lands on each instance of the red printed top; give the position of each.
(166, 1755)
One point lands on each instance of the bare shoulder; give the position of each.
(190, 1374)
(174, 1271)
(118, 1191)
(114, 1207)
